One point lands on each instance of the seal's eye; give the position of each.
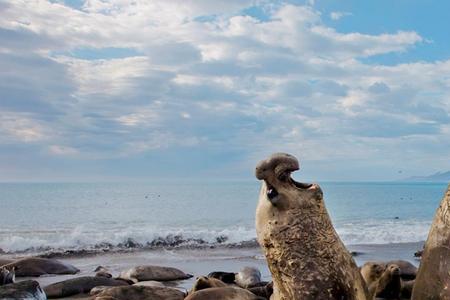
(272, 193)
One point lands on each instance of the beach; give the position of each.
(200, 262)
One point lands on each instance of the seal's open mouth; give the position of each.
(272, 192)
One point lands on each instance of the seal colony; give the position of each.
(306, 257)
(304, 253)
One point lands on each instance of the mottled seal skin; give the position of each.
(307, 259)
(433, 277)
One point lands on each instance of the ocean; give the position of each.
(55, 217)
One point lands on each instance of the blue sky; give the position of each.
(143, 90)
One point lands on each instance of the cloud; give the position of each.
(337, 15)
(206, 80)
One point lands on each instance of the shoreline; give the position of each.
(203, 261)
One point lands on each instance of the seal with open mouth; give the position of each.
(307, 259)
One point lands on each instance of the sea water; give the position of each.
(42, 217)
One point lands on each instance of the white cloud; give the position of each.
(228, 81)
(337, 15)
(22, 128)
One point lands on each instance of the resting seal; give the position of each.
(307, 259)
(263, 291)
(226, 277)
(433, 277)
(203, 282)
(36, 266)
(134, 292)
(157, 273)
(248, 277)
(79, 285)
(223, 293)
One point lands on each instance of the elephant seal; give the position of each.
(305, 255)
(407, 287)
(389, 285)
(134, 292)
(263, 291)
(248, 277)
(101, 271)
(25, 290)
(79, 285)
(7, 276)
(157, 273)
(371, 271)
(203, 282)
(5, 261)
(226, 277)
(433, 276)
(223, 293)
(149, 283)
(408, 271)
(98, 289)
(36, 266)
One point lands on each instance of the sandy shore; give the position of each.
(202, 261)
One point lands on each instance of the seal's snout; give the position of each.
(395, 269)
(278, 165)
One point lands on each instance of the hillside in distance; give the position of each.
(436, 177)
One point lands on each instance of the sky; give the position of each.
(145, 90)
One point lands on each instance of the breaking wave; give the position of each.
(82, 240)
